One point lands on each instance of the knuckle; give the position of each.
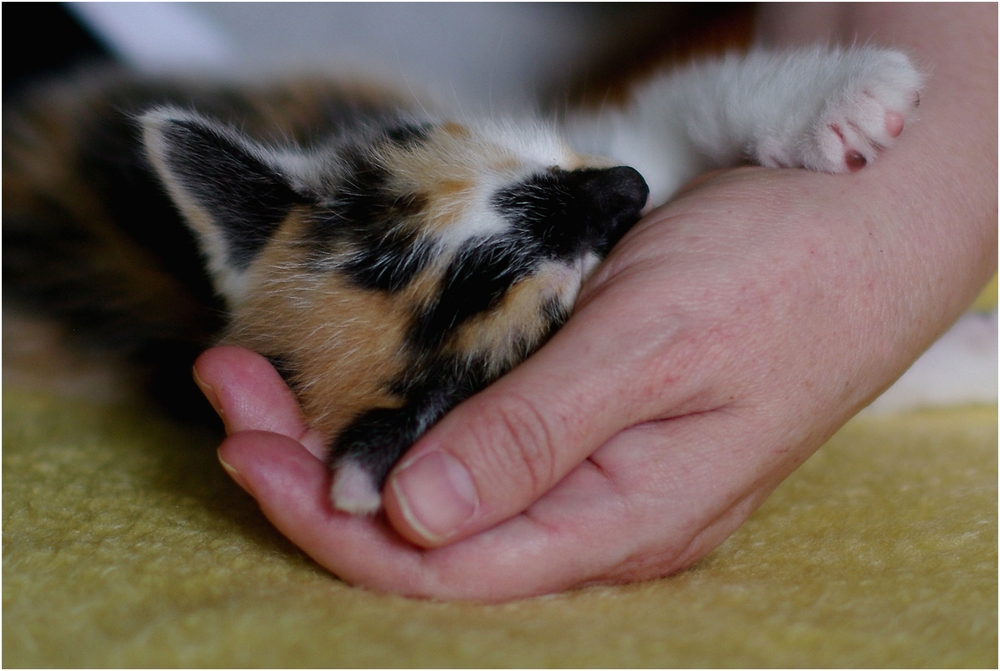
(518, 444)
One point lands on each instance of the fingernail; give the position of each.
(210, 394)
(436, 495)
(234, 474)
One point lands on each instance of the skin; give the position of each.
(723, 341)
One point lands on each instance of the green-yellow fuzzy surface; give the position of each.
(125, 544)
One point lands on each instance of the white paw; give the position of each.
(865, 111)
(353, 491)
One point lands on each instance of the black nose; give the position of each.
(610, 202)
(613, 190)
(571, 211)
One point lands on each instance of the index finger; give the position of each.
(249, 395)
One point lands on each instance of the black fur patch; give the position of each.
(389, 263)
(246, 198)
(373, 225)
(354, 206)
(476, 281)
(377, 439)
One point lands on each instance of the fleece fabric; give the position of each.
(126, 545)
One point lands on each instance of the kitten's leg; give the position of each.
(365, 452)
(824, 109)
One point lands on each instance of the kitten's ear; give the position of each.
(233, 192)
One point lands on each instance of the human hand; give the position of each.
(725, 338)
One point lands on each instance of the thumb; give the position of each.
(499, 451)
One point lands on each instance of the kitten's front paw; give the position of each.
(865, 113)
(354, 491)
(862, 99)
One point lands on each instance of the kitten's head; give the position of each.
(393, 270)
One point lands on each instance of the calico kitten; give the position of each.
(390, 261)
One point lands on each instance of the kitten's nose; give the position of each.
(616, 196)
(571, 211)
(621, 188)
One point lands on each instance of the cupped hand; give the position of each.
(722, 342)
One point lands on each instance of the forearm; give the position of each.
(938, 187)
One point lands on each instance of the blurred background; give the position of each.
(494, 55)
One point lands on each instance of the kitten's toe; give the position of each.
(353, 490)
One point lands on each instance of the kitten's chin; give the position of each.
(353, 491)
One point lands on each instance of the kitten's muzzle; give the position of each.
(568, 213)
(616, 198)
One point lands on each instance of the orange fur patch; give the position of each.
(518, 322)
(344, 344)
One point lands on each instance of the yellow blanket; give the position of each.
(125, 544)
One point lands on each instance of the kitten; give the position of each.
(389, 260)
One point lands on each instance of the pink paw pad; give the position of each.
(855, 161)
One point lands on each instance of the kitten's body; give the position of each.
(389, 260)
